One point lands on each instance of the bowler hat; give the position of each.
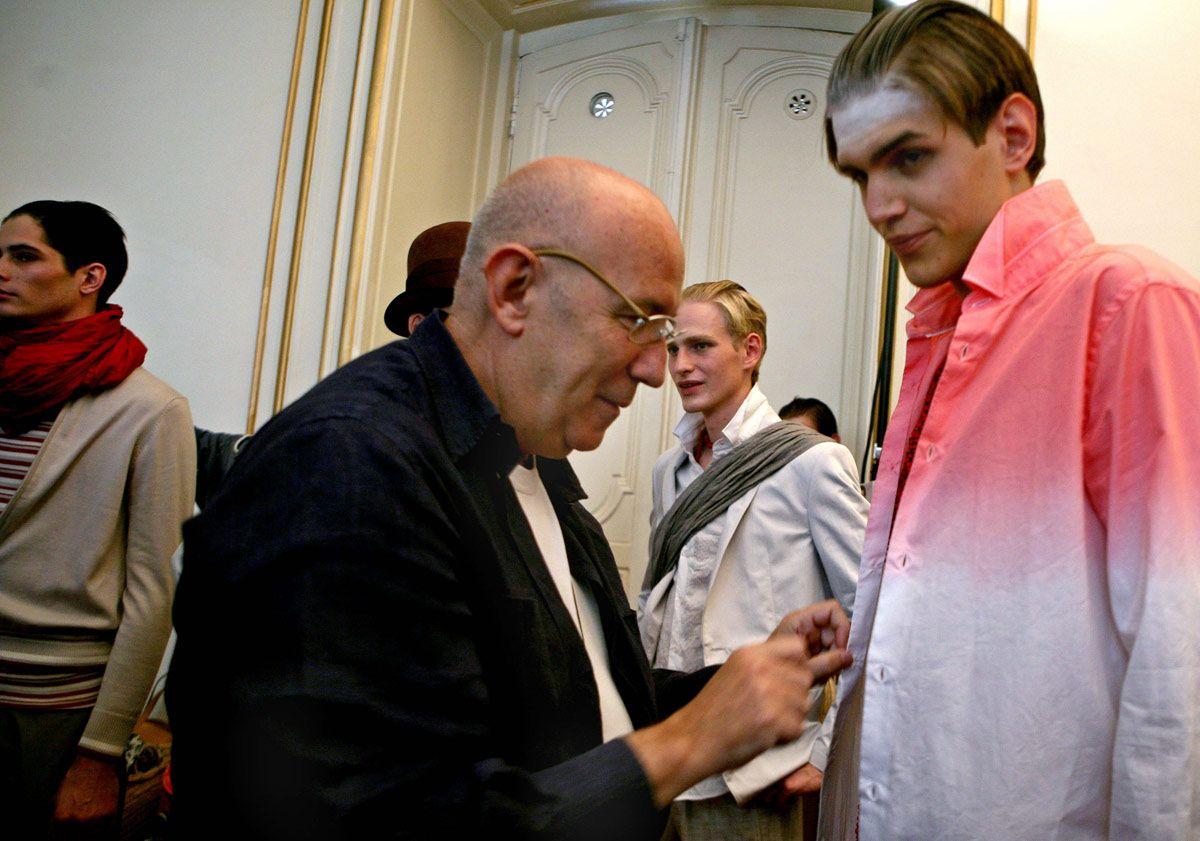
(433, 261)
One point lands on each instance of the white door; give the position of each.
(743, 171)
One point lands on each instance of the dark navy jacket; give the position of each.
(368, 636)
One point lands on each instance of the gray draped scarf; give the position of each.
(718, 487)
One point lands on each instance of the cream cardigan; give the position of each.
(86, 545)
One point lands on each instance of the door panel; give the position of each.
(770, 212)
(740, 110)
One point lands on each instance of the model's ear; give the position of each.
(752, 345)
(1017, 122)
(91, 278)
(509, 272)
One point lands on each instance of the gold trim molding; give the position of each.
(366, 181)
(310, 148)
(335, 259)
(285, 143)
(1031, 27)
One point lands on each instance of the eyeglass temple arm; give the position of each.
(551, 252)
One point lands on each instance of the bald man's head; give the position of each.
(569, 204)
(549, 342)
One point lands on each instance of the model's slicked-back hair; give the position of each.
(83, 233)
(741, 311)
(965, 62)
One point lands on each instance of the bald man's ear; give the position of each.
(508, 272)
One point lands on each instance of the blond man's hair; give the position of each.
(740, 311)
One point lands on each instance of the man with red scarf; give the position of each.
(97, 470)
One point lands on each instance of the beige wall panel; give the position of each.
(440, 118)
(1118, 81)
(774, 216)
(756, 199)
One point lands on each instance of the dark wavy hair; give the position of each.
(820, 413)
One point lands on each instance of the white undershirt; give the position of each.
(579, 602)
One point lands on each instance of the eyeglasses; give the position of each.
(646, 329)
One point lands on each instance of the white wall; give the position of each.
(1122, 95)
(169, 115)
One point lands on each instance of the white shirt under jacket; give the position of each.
(794, 539)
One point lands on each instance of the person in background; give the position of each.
(752, 518)
(814, 414)
(97, 468)
(1027, 624)
(215, 452)
(433, 261)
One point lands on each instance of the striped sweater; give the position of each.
(86, 540)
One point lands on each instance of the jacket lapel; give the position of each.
(524, 545)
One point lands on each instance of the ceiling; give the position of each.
(529, 15)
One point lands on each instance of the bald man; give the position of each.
(397, 619)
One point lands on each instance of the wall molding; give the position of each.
(361, 57)
(350, 341)
(276, 214)
(306, 170)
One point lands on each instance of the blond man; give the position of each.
(751, 517)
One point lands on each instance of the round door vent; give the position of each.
(602, 105)
(801, 104)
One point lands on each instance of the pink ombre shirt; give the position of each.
(1027, 624)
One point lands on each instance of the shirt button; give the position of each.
(931, 453)
(882, 674)
(962, 354)
(871, 791)
(902, 561)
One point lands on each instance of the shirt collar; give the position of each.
(1033, 232)
(754, 413)
(470, 422)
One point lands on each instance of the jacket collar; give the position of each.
(470, 423)
(1033, 232)
(468, 420)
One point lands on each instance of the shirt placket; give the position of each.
(942, 376)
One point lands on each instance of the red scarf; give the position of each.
(44, 366)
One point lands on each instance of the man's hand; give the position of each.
(823, 626)
(783, 793)
(757, 700)
(90, 790)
